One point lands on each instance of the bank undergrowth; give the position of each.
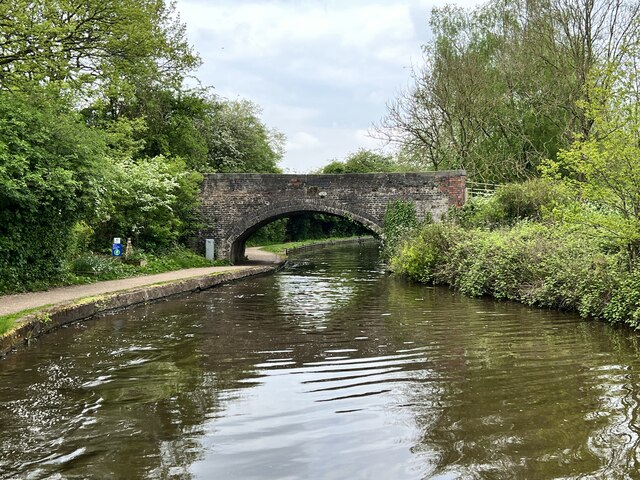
(281, 248)
(513, 247)
(91, 267)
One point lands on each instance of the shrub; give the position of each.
(624, 303)
(95, 265)
(511, 203)
(153, 201)
(556, 267)
(79, 240)
(420, 256)
(49, 163)
(399, 220)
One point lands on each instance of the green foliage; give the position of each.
(399, 220)
(43, 317)
(306, 226)
(623, 300)
(176, 259)
(602, 168)
(130, 165)
(78, 42)
(238, 141)
(531, 200)
(418, 256)
(92, 267)
(309, 225)
(159, 121)
(209, 133)
(79, 239)
(7, 322)
(272, 233)
(547, 266)
(50, 164)
(154, 201)
(500, 86)
(362, 161)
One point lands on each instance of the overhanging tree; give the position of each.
(501, 86)
(603, 167)
(95, 43)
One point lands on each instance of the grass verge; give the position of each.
(91, 268)
(281, 248)
(8, 321)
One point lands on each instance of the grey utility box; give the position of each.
(209, 249)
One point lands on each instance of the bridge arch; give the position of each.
(243, 229)
(234, 205)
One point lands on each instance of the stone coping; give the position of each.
(328, 242)
(47, 319)
(380, 175)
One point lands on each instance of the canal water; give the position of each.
(331, 369)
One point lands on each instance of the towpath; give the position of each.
(23, 301)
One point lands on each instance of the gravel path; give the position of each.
(23, 301)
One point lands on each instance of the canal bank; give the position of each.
(46, 319)
(37, 313)
(328, 242)
(330, 358)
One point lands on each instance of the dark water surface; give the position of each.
(328, 370)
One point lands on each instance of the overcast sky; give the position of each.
(321, 70)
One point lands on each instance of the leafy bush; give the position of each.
(556, 267)
(49, 165)
(399, 219)
(103, 267)
(95, 265)
(530, 200)
(420, 256)
(362, 161)
(153, 201)
(80, 238)
(177, 258)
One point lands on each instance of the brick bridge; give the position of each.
(235, 205)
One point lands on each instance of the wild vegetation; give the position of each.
(510, 84)
(517, 246)
(99, 137)
(512, 91)
(363, 161)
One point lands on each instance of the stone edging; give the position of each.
(327, 243)
(48, 319)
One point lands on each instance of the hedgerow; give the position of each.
(531, 263)
(525, 254)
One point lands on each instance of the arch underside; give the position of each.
(245, 228)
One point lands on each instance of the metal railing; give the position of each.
(480, 189)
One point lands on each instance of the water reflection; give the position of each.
(331, 369)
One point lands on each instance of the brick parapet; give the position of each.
(235, 205)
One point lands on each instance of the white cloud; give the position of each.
(364, 140)
(321, 70)
(326, 144)
(302, 141)
(250, 29)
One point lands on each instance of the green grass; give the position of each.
(280, 248)
(94, 268)
(91, 268)
(8, 321)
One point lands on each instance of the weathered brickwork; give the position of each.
(236, 205)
